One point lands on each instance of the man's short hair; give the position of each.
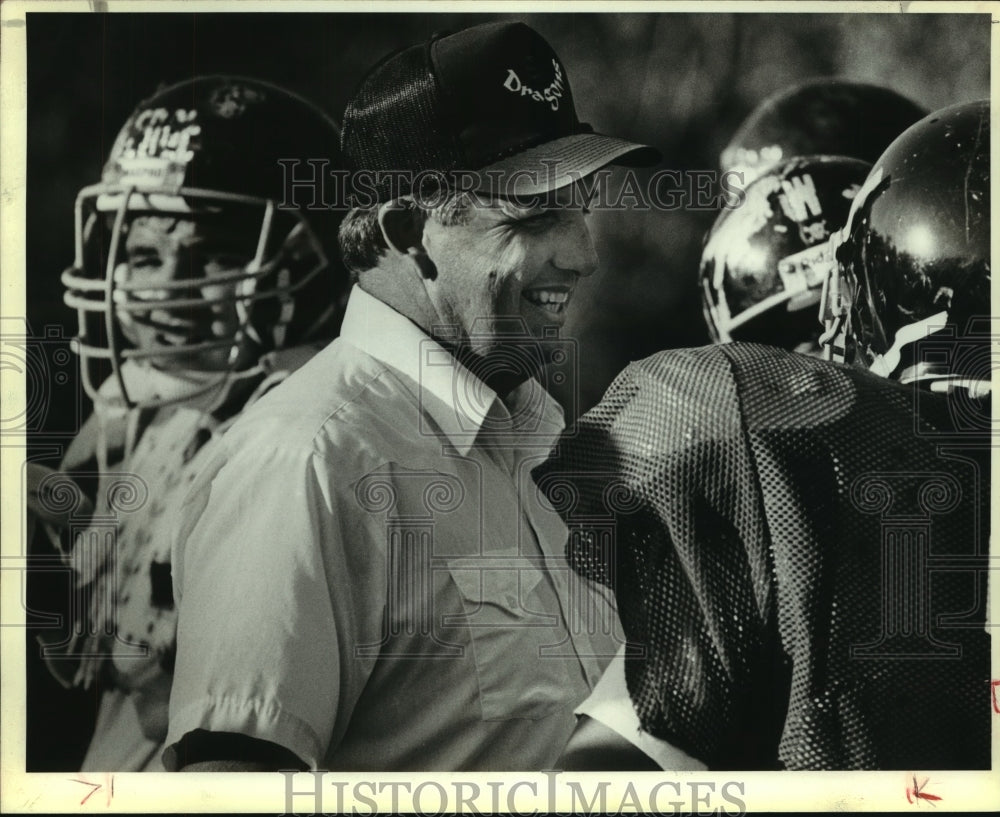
(361, 241)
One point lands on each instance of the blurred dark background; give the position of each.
(682, 82)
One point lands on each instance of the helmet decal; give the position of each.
(768, 258)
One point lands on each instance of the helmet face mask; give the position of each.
(187, 261)
(215, 313)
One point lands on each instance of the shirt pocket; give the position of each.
(512, 614)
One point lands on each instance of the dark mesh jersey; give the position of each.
(799, 554)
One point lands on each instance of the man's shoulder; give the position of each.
(769, 386)
(338, 402)
(673, 397)
(700, 372)
(700, 405)
(696, 412)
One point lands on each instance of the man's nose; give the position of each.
(576, 252)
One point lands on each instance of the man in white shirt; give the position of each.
(366, 575)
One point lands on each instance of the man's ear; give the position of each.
(402, 225)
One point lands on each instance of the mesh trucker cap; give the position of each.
(488, 108)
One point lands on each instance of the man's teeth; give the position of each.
(549, 299)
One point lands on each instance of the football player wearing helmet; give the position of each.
(830, 116)
(200, 171)
(799, 548)
(909, 297)
(794, 154)
(197, 287)
(760, 276)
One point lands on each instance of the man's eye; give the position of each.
(536, 221)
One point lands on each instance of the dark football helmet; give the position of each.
(762, 267)
(832, 117)
(909, 295)
(215, 153)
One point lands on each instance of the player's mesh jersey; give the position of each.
(799, 557)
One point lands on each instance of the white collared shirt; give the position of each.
(367, 576)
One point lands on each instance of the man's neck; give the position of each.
(502, 369)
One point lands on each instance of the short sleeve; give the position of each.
(257, 547)
(610, 704)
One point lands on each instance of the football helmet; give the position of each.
(215, 154)
(832, 117)
(762, 267)
(913, 259)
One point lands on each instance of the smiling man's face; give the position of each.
(509, 262)
(161, 250)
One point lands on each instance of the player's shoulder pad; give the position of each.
(720, 390)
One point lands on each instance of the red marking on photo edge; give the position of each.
(94, 787)
(994, 685)
(916, 792)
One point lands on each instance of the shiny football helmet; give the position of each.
(215, 153)
(909, 296)
(832, 117)
(764, 262)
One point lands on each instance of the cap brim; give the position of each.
(560, 162)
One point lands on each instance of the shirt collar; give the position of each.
(459, 403)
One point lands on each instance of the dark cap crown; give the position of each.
(462, 102)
